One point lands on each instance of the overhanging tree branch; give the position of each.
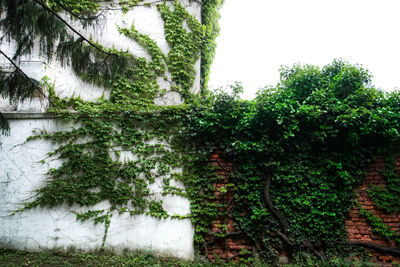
(73, 29)
(24, 74)
(21, 45)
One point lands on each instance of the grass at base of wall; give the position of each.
(14, 258)
(11, 258)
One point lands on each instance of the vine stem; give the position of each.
(285, 235)
(145, 4)
(391, 250)
(271, 207)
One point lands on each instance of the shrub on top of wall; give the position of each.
(299, 150)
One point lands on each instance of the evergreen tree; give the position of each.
(28, 21)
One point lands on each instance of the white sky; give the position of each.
(258, 36)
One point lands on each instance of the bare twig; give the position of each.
(285, 238)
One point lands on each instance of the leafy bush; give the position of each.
(299, 149)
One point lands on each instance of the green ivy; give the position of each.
(312, 136)
(81, 7)
(388, 198)
(185, 45)
(93, 168)
(209, 17)
(378, 226)
(302, 146)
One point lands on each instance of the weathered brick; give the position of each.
(366, 238)
(357, 227)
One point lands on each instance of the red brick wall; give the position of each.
(358, 229)
(229, 246)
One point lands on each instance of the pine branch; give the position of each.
(5, 34)
(4, 126)
(15, 88)
(22, 44)
(94, 66)
(24, 75)
(73, 29)
(20, 17)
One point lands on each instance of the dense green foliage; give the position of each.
(312, 136)
(82, 7)
(20, 258)
(119, 148)
(73, 258)
(185, 45)
(378, 226)
(25, 21)
(299, 149)
(209, 17)
(388, 198)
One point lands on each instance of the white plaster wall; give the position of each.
(21, 172)
(147, 20)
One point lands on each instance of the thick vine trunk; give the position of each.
(285, 235)
(392, 250)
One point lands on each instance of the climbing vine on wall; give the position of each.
(25, 21)
(209, 16)
(388, 197)
(120, 149)
(300, 149)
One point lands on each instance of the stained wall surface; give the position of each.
(22, 170)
